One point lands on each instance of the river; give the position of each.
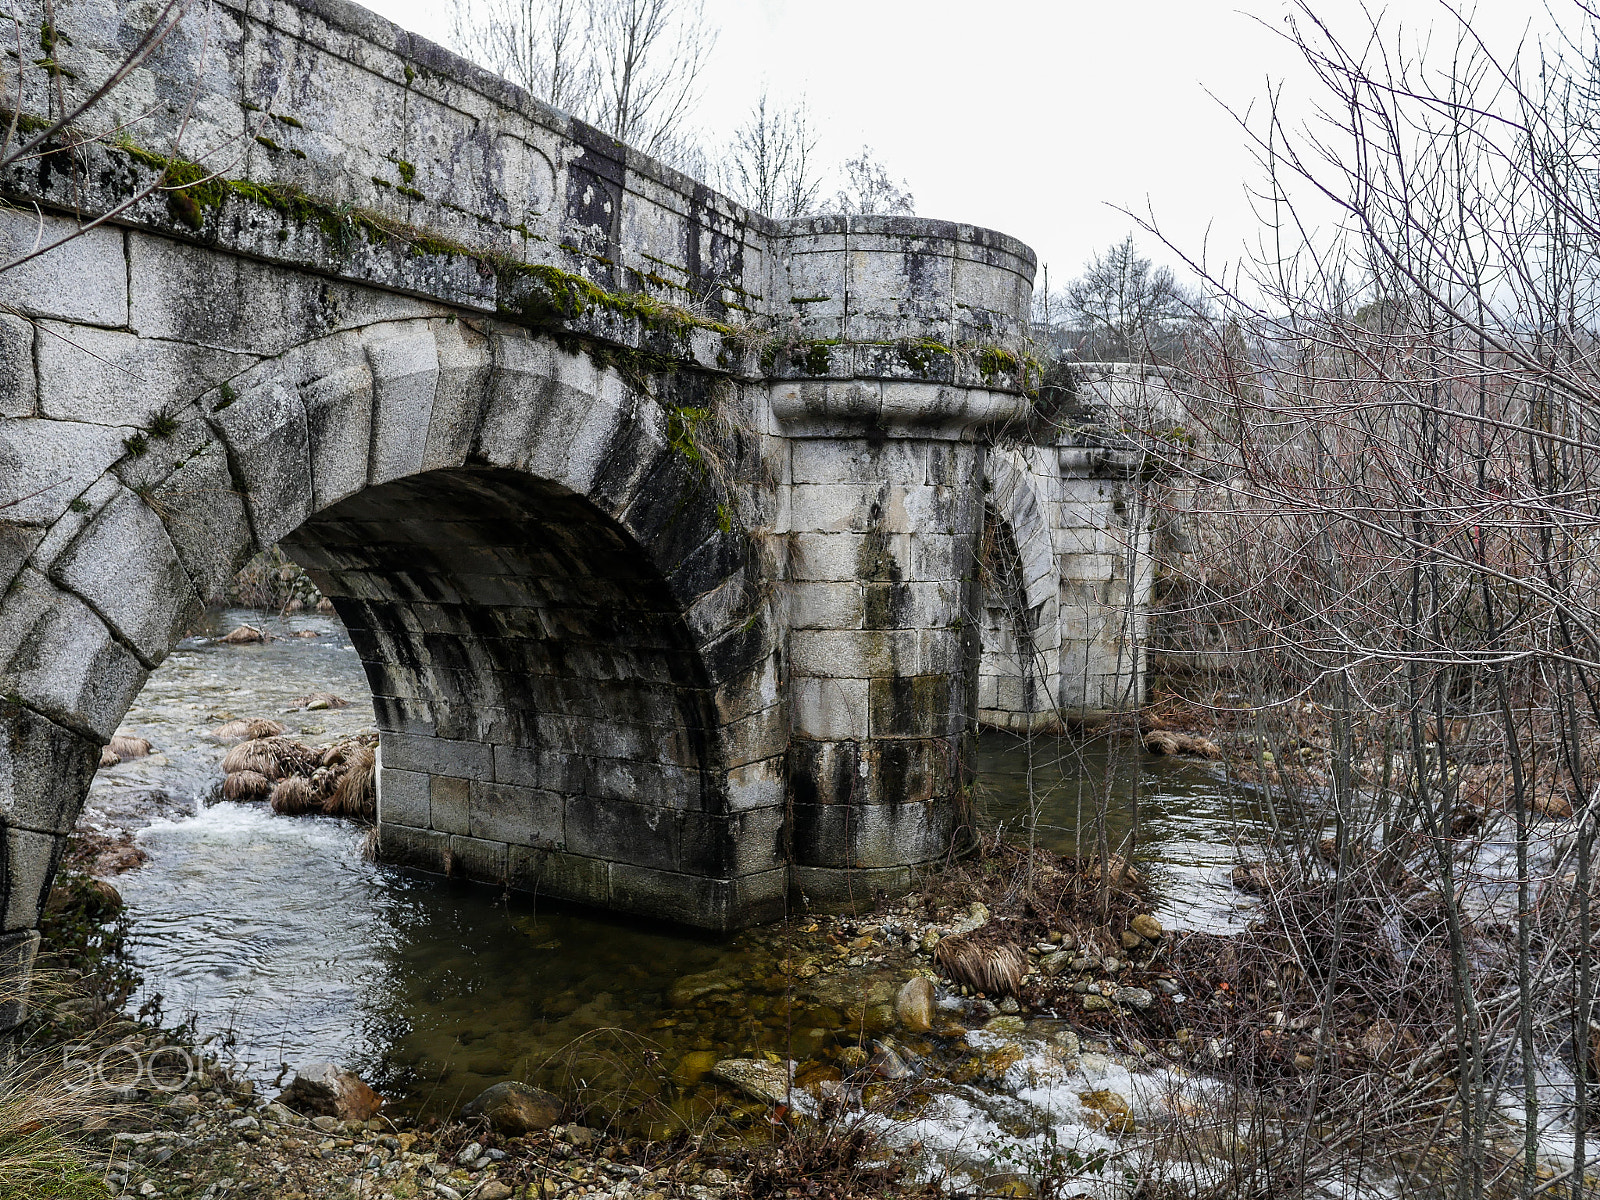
(278, 935)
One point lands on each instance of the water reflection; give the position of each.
(1182, 815)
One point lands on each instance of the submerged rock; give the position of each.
(1109, 1110)
(886, 1062)
(914, 1005)
(324, 1089)
(686, 990)
(768, 1082)
(694, 1066)
(514, 1108)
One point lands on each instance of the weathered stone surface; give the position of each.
(767, 1082)
(1146, 926)
(124, 565)
(514, 1108)
(654, 618)
(326, 1090)
(914, 1005)
(83, 280)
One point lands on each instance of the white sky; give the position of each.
(1037, 117)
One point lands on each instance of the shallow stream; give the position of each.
(279, 935)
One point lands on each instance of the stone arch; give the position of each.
(457, 487)
(1019, 664)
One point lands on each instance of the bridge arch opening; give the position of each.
(548, 720)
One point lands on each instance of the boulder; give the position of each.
(323, 1089)
(1146, 926)
(914, 1005)
(514, 1108)
(767, 1082)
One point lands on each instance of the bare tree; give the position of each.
(541, 45)
(631, 67)
(868, 190)
(1124, 309)
(1394, 435)
(769, 161)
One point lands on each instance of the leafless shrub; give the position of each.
(1390, 449)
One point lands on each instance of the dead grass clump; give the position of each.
(294, 796)
(1170, 742)
(246, 785)
(353, 793)
(318, 701)
(244, 635)
(256, 727)
(253, 756)
(986, 966)
(274, 757)
(125, 747)
(108, 758)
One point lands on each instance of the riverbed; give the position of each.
(280, 936)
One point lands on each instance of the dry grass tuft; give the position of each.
(246, 785)
(294, 796)
(993, 968)
(45, 1105)
(256, 727)
(125, 747)
(354, 793)
(108, 758)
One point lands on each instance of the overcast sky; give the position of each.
(1036, 117)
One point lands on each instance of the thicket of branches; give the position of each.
(1390, 455)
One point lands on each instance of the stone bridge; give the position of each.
(685, 549)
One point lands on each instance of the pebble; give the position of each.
(1133, 997)
(1094, 1003)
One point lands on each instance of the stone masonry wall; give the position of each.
(658, 524)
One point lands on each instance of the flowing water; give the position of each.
(278, 933)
